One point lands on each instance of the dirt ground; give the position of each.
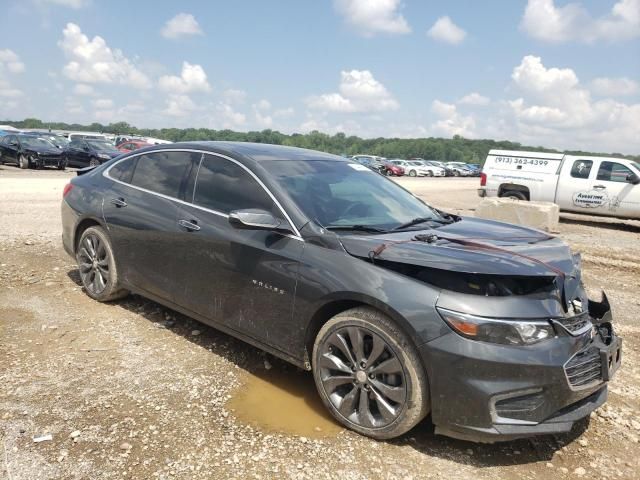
(133, 390)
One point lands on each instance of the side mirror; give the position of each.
(253, 219)
(633, 179)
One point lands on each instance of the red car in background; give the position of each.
(130, 145)
(390, 170)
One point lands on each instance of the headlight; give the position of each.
(104, 156)
(508, 332)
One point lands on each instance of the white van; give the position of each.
(592, 185)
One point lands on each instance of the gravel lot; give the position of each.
(133, 390)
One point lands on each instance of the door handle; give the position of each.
(599, 187)
(119, 202)
(191, 226)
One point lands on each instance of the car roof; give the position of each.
(255, 151)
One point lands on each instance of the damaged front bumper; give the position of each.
(488, 392)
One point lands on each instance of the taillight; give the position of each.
(483, 179)
(67, 189)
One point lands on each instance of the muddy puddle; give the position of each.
(283, 401)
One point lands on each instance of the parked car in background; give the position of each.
(460, 169)
(398, 309)
(414, 168)
(391, 170)
(89, 152)
(475, 169)
(59, 141)
(131, 145)
(93, 136)
(576, 183)
(448, 172)
(29, 151)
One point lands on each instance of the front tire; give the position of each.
(23, 162)
(412, 173)
(369, 374)
(97, 266)
(94, 162)
(388, 173)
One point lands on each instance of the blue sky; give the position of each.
(543, 72)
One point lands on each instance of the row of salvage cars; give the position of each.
(45, 149)
(417, 167)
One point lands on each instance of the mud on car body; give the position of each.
(399, 309)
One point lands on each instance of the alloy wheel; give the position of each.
(362, 377)
(94, 162)
(93, 263)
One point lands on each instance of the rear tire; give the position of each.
(369, 375)
(97, 266)
(23, 162)
(412, 173)
(514, 194)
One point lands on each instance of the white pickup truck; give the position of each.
(592, 185)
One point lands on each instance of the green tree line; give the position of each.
(456, 149)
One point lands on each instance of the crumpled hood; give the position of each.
(44, 151)
(506, 252)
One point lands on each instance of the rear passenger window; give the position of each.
(581, 168)
(123, 170)
(224, 186)
(163, 172)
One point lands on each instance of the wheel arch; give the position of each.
(342, 302)
(513, 187)
(81, 227)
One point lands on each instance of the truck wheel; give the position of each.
(369, 374)
(514, 194)
(23, 162)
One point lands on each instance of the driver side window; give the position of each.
(224, 186)
(613, 172)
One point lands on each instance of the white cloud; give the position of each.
(182, 25)
(545, 21)
(230, 118)
(192, 79)
(555, 109)
(92, 61)
(261, 114)
(75, 4)
(284, 112)
(103, 103)
(11, 61)
(614, 87)
(84, 90)
(232, 95)
(444, 30)
(370, 17)
(359, 91)
(451, 122)
(180, 106)
(10, 64)
(474, 98)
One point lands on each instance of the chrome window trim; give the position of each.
(105, 173)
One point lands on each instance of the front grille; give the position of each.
(576, 323)
(585, 368)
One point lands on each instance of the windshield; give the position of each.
(101, 145)
(343, 194)
(59, 141)
(36, 142)
(637, 165)
(417, 164)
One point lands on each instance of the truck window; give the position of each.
(581, 168)
(613, 172)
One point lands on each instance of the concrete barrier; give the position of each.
(542, 215)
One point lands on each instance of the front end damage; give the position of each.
(526, 352)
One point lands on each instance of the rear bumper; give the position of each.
(489, 392)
